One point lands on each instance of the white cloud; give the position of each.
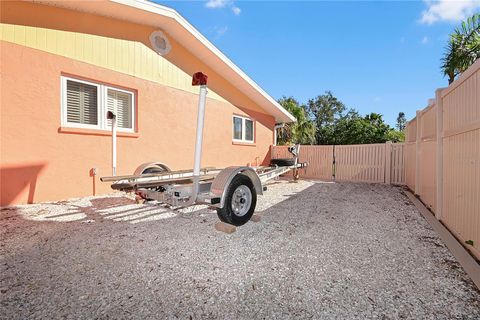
(217, 4)
(213, 4)
(236, 10)
(448, 10)
(424, 40)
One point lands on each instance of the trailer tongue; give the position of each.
(232, 191)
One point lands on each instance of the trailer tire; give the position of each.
(240, 201)
(283, 162)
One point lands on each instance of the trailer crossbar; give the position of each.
(132, 185)
(162, 175)
(276, 172)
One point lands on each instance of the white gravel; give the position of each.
(322, 250)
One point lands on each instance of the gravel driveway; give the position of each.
(321, 250)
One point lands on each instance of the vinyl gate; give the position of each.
(319, 158)
(378, 163)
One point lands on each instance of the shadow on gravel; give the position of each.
(124, 209)
(328, 251)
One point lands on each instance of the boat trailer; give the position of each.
(232, 191)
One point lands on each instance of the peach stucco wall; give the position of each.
(40, 161)
(51, 17)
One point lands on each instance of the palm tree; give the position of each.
(302, 131)
(463, 48)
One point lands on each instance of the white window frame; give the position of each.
(244, 131)
(102, 96)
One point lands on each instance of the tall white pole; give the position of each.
(114, 145)
(201, 80)
(199, 137)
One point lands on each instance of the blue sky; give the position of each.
(374, 56)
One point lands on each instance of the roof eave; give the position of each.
(282, 116)
(210, 54)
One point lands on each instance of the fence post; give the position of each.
(388, 162)
(439, 155)
(417, 152)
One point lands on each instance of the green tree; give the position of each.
(401, 121)
(355, 129)
(324, 120)
(463, 48)
(326, 110)
(396, 136)
(302, 131)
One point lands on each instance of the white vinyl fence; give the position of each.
(378, 163)
(443, 157)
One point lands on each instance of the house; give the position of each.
(65, 64)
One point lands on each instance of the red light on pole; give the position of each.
(199, 79)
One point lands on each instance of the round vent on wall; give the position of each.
(160, 43)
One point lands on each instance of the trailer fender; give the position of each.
(225, 177)
(144, 166)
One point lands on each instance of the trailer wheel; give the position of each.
(240, 201)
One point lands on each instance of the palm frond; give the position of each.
(463, 48)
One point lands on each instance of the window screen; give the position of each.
(248, 130)
(237, 128)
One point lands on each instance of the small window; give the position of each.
(85, 104)
(248, 130)
(82, 103)
(120, 103)
(237, 128)
(243, 129)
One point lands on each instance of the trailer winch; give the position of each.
(232, 191)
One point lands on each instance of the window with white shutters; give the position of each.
(85, 105)
(243, 129)
(82, 103)
(120, 103)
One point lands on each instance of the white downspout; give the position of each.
(113, 117)
(114, 146)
